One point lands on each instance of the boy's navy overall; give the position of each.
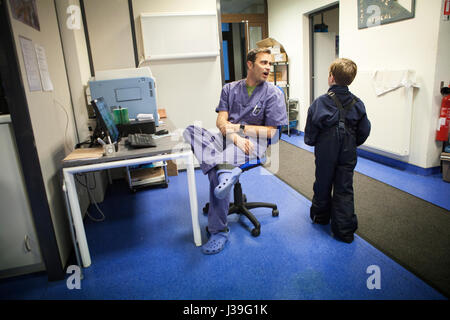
(337, 123)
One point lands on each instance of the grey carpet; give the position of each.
(411, 231)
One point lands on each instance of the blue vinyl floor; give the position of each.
(144, 250)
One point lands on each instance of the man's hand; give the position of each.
(225, 126)
(228, 127)
(244, 144)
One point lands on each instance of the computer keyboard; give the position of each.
(141, 140)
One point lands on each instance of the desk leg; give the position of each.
(77, 219)
(193, 198)
(72, 231)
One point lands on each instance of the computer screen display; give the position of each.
(106, 119)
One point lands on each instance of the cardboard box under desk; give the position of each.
(172, 169)
(149, 175)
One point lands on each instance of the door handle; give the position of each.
(27, 243)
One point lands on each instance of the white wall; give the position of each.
(409, 44)
(78, 74)
(77, 62)
(189, 89)
(110, 35)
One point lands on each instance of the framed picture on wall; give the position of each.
(373, 13)
(25, 11)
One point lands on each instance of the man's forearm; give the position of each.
(222, 119)
(227, 127)
(252, 130)
(260, 131)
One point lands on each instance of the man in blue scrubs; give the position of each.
(249, 112)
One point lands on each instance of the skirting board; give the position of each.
(394, 163)
(398, 164)
(19, 271)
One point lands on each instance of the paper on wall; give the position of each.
(31, 65)
(47, 84)
(384, 81)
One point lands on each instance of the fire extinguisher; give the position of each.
(444, 117)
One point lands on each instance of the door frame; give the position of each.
(250, 20)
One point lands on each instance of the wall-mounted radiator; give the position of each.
(388, 97)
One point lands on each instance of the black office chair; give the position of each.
(240, 204)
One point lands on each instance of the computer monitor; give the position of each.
(105, 119)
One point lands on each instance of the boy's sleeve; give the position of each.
(363, 131)
(311, 131)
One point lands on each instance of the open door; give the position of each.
(234, 43)
(237, 39)
(243, 24)
(324, 44)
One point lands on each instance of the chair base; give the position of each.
(241, 206)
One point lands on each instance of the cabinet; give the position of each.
(280, 74)
(19, 247)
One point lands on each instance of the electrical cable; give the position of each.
(67, 124)
(85, 185)
(91, 198)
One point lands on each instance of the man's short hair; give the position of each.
(344, 71)
(251, 55)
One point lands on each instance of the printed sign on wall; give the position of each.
(376, 12)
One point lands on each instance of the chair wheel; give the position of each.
(275, 213)
(256, 232)
(206, 208)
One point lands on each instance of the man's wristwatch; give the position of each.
(242, 128)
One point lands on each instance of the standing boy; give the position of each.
(337, 123)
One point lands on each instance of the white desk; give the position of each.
(166, 149)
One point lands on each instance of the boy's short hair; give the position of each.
(344, 71)
(251, 55)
